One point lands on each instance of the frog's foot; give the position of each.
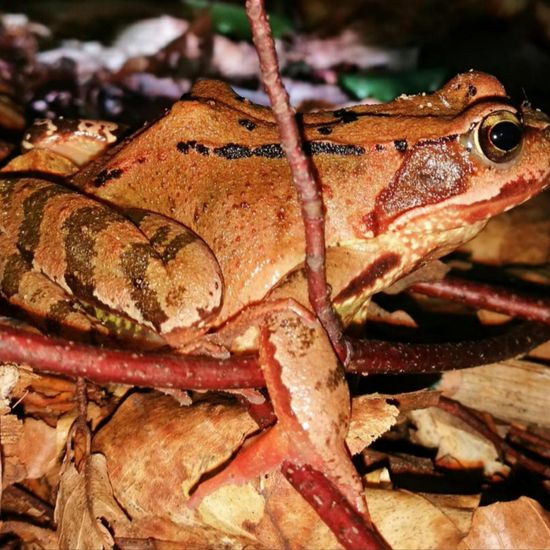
(261, 455)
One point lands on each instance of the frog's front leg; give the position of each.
(310, 396)
(154, 271)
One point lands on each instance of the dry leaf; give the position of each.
(421, 521)
(371, 416)
(458, 446)
(167, 448)
(515, 391)
(33, 536)
(519, 524)
(9, 375)
(85, 505)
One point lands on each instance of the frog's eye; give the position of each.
(499, 136)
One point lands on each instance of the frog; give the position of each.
(190, 228)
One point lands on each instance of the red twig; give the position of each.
(489, 297)
(379, 357)
(511, 455)
(200, 372)
(533, 442)
(348, 526)
(308, 191)
(115, 366)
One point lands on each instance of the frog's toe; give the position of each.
(261, 455)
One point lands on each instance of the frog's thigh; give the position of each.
(42, 299)
(196, 284)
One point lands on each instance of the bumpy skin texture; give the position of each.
(403, 183)
(395, 178)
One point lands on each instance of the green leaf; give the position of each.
(231, 20)
(387, 86)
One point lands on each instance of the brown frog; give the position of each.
(191, 228)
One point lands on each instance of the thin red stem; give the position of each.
(117, 366)
(201, 372)
(332, 507)
(309, 192)
(379, 357)
(499, 299)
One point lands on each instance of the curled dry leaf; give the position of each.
(458, 446)
(522, 523)
(421, 521)
(515, 391)
(85, 505)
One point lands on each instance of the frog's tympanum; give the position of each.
(192, 226)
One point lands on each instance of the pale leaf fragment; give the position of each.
(371, 416)
(514, 391)
(458, 446)
(515, 525)
(9, 375)
(411, 521)
(85, 505)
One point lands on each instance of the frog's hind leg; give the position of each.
(46, 303)
(195, 275)
(152, 274)
(311, 400)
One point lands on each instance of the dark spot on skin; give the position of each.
(81, 229)
(248, 124)
(57, 313)
(472, 90)
(134, 263)
(14, 270)
(105, 175)
(335, 378)
(369, 276)
(186, 146)
(325, 130)
(400, 145)
(269, 151)
(379, 147)
(345, 116)
(301, 336)
(233, 151)
(183, 147)
(324, 147)
(202, 149)
(33, 212)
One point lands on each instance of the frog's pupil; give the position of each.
(505, 135)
